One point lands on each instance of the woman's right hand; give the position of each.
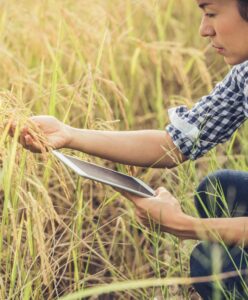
(43, 132)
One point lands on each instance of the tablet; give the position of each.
(105, 175)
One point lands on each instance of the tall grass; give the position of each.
(100, 65)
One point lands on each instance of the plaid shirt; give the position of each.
(214, 118)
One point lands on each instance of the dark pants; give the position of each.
(221, 194)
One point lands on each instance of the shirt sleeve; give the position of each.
(212, 120)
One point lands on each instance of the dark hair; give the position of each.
(243, 9)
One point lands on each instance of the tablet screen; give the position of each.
(107, 176)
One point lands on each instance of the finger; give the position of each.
(131, 197)
(12, 128)
(32, 144)
(142, 218)
(117, 189)
(160, 190)
(127, 195)
(12, 131)
(139, 213)
(28, 140)
(21, 140)
(135, 199)
(139, 216)
(23, 132)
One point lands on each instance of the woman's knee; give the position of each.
(223, 194)
(219, 175)
(210, 194)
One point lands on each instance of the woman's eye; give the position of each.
(209, 15)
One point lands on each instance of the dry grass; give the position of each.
(101, 65)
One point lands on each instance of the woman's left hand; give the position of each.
(163, 209)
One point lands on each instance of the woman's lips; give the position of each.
(219, 49)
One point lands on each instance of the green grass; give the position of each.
(100, 65)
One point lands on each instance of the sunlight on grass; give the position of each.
(100, 65)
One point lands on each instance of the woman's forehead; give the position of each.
(201, 2)
(205, 3)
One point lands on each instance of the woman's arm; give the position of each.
(165, 210)
(228, 230)
(146, 148)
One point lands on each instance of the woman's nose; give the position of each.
(206, 29)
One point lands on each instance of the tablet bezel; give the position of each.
(66, 160)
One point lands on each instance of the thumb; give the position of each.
(160, 190)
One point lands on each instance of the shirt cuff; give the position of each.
(183, 143)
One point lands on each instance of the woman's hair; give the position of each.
(243, 9)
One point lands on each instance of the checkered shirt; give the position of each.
(214, 118)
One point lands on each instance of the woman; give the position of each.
(221, 197)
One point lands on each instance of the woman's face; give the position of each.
(226, 29)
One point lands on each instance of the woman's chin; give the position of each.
(232, 60)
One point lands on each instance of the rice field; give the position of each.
(99, 64)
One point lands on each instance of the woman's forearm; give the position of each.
(146, 148)
(228, 230)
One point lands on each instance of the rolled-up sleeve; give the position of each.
(212, 120)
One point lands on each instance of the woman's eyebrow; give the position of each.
(204, 5)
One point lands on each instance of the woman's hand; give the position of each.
(163, 209)
(42, 132)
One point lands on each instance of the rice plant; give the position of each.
(100, 64)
